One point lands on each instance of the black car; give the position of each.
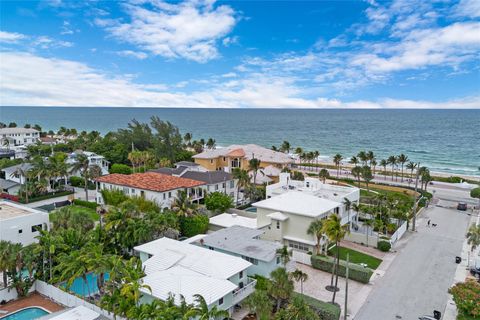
(462, 206)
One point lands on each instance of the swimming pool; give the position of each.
(26, 314)
(81, 288)
(251, 209)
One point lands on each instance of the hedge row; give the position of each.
(86, 204)
(46, 196)
(325, 310)
(355, 272)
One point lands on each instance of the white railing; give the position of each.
(398, 234)
(242, 293)
(67, 299)
(7, 294)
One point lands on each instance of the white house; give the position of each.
(215, 181)
(175, 268)
(20, 224)
(227, 220)
(154, 186)
(12, 173)
(93, 160)
(18, 136)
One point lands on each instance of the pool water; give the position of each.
(251, 209)
(26, 314)
(81, 288)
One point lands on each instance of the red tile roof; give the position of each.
(240, 153)
(150, 181)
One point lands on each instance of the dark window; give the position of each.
(241, 275)
(20, 231)
(142, 193)
(220, 302)
(36, 228)
(211, 248)
(278, 224)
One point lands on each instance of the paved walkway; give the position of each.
(33, 300)
(417, 281)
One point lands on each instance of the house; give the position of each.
(9, 186)
(21, 224)
(245, 243)
(18, 136)
(93, 160)
(12, 173)
(215, 181)
(292, 205)
(49, 141)
(158, 187)
(227, 220)
(238, 156)
(179, 269)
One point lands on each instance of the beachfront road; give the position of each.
(417, 281)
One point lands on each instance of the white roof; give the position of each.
(180, 281)
(261, 178)
(250, 150)
(17, 130)
(300, 203)
(277, 216)
(226, 220)
(10, 210)
(78, 313)
(168, 252)
(272, 171)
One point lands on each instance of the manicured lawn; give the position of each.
(356, 257)
(93, 214)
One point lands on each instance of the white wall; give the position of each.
(10, 228)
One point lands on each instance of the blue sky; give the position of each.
(251, 54)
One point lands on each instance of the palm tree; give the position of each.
(370, 158)
(203, 313)
(284, 255)
(324, 175)
(285, 147)
(362, 155)
(337, 159)
(367, 176)
(24, 172)
(280, 287)
(368, 223)
(411, 166)
(357, 173)
(82, 165)
(473, 236)
(392, 160)
(59, 166)
(402, 159)
(298, 151)
(316, 154)
(183, 206)
(384, 164)
(188, 139)
(316, 229)
(135, 159)
(254, 166)
(335, 233)
(348, 207)
(259, 303)
(211, 143)
(5, 257)
(242, 180)
(373, 164)
(301, 276)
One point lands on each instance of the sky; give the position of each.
(241, 54)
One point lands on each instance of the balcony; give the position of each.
(241, 293)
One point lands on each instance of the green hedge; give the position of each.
(86, 204)
(46, 196)
(80, 183)
(384, 246)
(356, 272)
(326, 310)
(120, 168)
(193, 225)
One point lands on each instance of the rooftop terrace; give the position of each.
(10, 210)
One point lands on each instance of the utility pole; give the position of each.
(415, 199)
(346, 289)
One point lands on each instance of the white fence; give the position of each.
(398, 234)
(67, 299)
(361, 238)
(301, 257)
(7, 294)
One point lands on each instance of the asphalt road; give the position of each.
(418, 279)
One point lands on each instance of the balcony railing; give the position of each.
(241, 293)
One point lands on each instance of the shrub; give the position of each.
(218, 202)
(120, 168)
(80, 183)
(86, 204)
(262, 282)
(467, 298)
(355, 272)
(326, 310)
(113, 197)
(193, 225)
(384, 246)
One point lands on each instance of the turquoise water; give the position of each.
(251, 209)
(444, 140)
(26, 314)
(81, 288)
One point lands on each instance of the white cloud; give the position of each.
(10, 37)
(28, 79)
(228, 41)
(468, 8)
(135, 54)
(45, 42)
(66, 29)
(188, 30)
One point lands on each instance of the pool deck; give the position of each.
(33, 300)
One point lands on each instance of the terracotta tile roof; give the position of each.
(150, 181)
(237, 153)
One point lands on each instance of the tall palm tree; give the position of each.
(337, 159)
(242, 180)
(280, 287)
(183, 206)
(254, 166)
(473, 236)
(301, 276)
(202, 311)
(384, 164)
(316, 154)
(335, 232)
(348, 206)
(357, 173)
(370, 157)
(316, 229)
(367, 176)
(298, 151)
(285, 147)
(23, 173)
(402, 159)
(368, 223)
(259, 303)
(5, 258)
(362, 155)
(392, 160)
(188, 139)
(411, 166)
(353, 160)
(324, 175)
(81, 165)
(211, 143)
(284, 253)
(58, 166)
(373, 164)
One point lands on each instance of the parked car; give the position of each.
(462, 206)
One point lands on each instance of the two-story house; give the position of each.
(12, 137)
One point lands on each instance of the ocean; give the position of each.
(444, 140)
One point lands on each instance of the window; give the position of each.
(36, 228)
(216, 187)
(132, 191)
(298, 246)
(220, 302)
(20, 231)
(142, 193)
(224, 185)
(251, 260)
(278, 260)
(240, 275)
(336, 210)
(211, 248)
(169, 195)
(164, 196)
(278, 224)
(125, 190)
(211, 160)
(307, 184)
(224, 158)
(232, 184)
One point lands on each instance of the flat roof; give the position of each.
(248, 151)
(17, 130)
(241, 240)
(226, 220)
(77, 313)
(9, 210)
(298, 202)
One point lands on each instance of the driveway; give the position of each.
(418, 279)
